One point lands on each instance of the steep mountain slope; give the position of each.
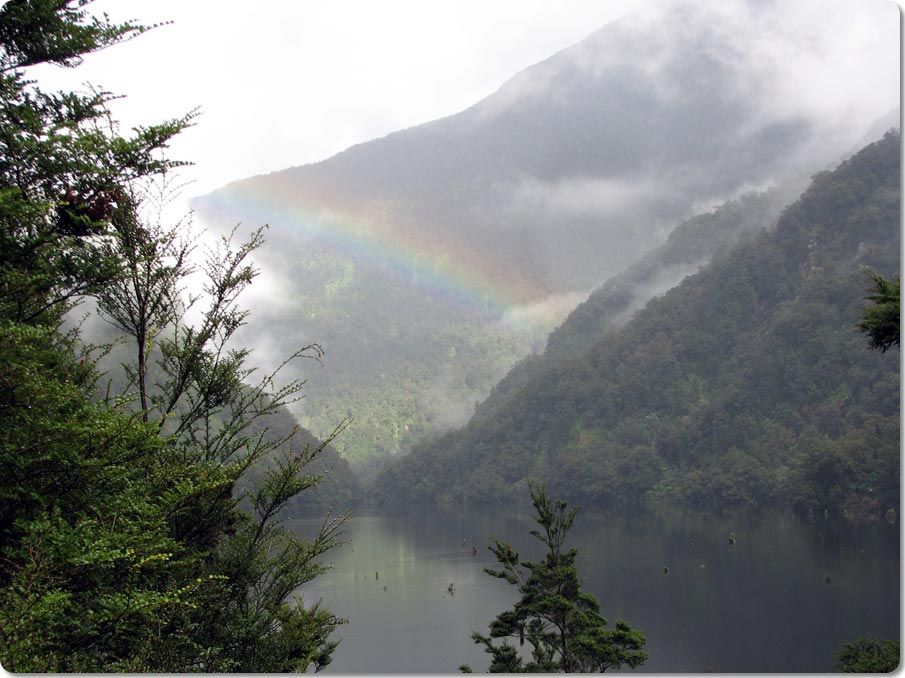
(745, 384)
(429, 261)
(689, 247)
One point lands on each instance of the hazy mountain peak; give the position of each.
(806, 59)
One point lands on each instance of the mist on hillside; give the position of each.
(428, 262)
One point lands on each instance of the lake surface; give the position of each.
(761, 605)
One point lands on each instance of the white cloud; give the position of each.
(837, 62)
(588, 196)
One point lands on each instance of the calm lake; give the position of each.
(782, 599)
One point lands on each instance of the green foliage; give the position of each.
(91, 565)
(561, 623)
(39, 31)
(868, 655)
(337, 488)
(124, 544)
(881, 321)
(745, 385)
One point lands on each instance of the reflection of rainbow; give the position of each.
(445, 268)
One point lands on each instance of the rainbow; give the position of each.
(443, 267)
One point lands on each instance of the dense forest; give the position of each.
(747, 384)
(142, 503)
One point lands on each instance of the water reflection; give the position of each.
(729, 595)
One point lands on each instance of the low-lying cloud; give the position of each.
(607, 197)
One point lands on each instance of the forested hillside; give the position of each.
(428, 262)
(689, 247)
(747, 384)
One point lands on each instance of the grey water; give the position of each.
(783, 598)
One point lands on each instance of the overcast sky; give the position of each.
(287, 82)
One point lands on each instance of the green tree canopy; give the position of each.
(880, 321)
(868, 655)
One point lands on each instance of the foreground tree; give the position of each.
(206, 405)
(124, 541)
(880, 321)
(868, 655)
(561, 623)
